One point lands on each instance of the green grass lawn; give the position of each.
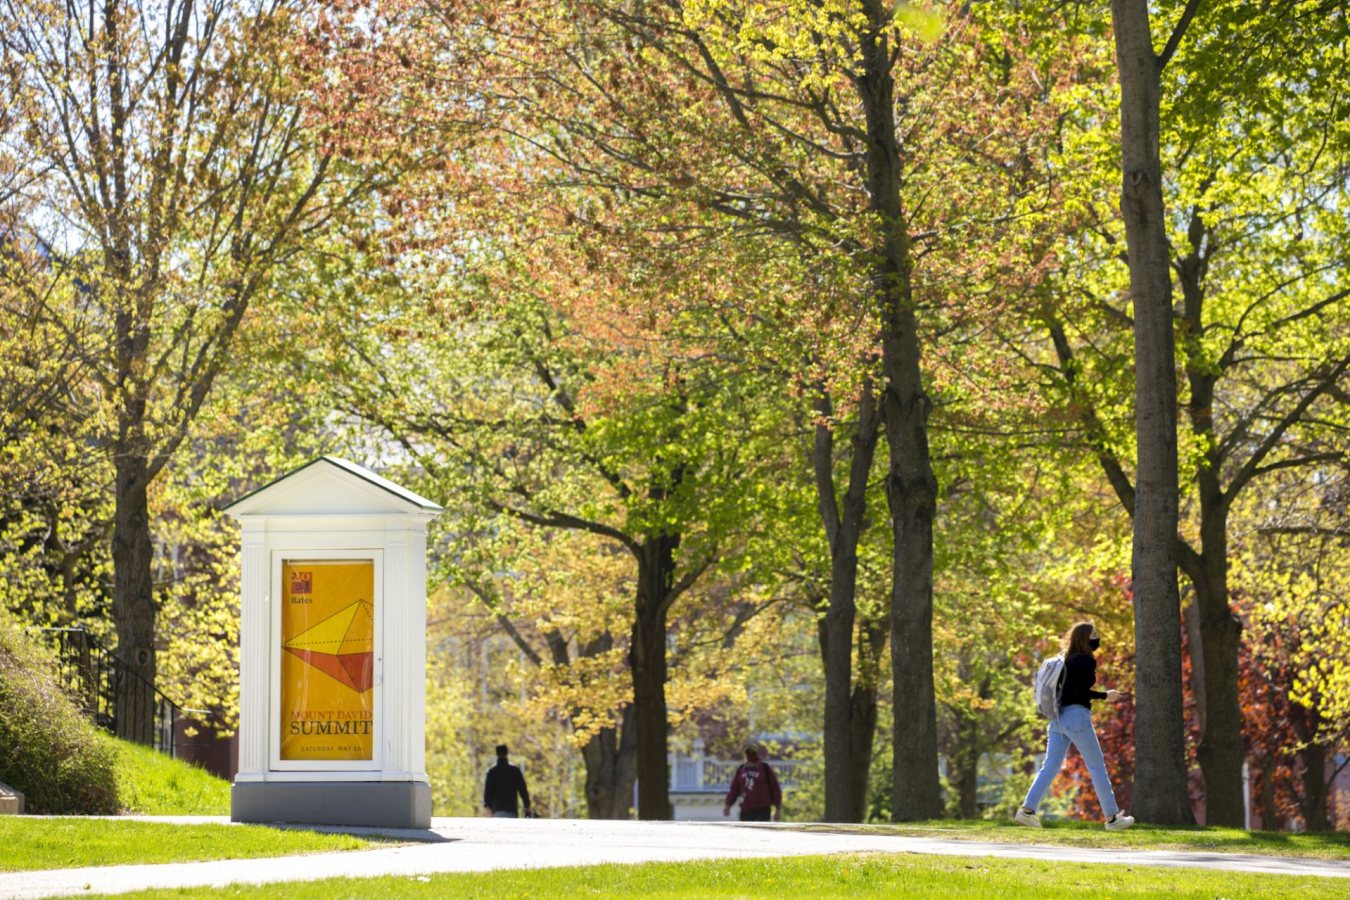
(870, 875)
(69, 842)
(152, 784)
(1140, 837)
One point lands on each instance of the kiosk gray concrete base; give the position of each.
(375, 804)
(11, 800)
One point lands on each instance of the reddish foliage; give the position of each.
(1272, 727)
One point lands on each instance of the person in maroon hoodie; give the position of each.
(757, 784)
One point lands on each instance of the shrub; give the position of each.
(48, 750)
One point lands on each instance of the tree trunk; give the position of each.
(1160, 749)
(133, 602)
(917, 790)
(843, 524)
(963, 767)
(863, 721)
(1190, 617)
(968, 737)
(608, 755)
(911, 487)
(1269, 814)
(1217, 632)
(610, 758)
(1221, 748)
(656, 569)
(1315, 788)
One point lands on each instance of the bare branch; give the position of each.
(1178, 33)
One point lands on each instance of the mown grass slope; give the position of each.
(152, 784)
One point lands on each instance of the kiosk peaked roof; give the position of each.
(335, 469)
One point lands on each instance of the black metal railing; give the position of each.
(115, 696)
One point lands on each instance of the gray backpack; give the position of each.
(1049, 687)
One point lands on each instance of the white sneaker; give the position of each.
(1119, 823)
(1022, 817)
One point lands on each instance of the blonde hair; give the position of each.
(1076, 639)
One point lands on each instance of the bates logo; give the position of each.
(302, 582)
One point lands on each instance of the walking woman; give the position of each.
(1074, 725)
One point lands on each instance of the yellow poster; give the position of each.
(328, 663)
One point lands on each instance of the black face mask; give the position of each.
(1094, 643)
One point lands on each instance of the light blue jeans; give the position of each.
(1074, 726)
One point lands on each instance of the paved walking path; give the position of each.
(476, 845)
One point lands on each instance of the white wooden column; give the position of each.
(417, 662)
(254, 653)
(397, 647)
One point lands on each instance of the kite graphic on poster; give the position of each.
(327, 700)
(342, 646)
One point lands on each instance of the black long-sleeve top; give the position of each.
(1080, 674)
(504, 781)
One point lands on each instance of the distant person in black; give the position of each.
(504, 781)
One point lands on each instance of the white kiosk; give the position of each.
(332, 665)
